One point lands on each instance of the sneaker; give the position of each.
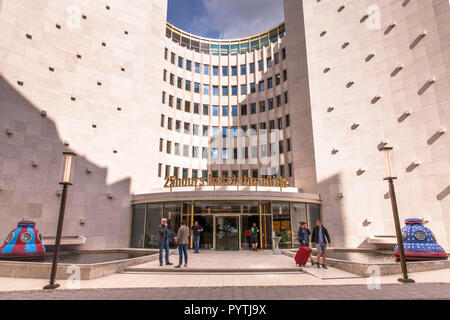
(169, 264)
(160, 265)
(324, 266)
(185, 265)
(318, 265)
(178, 266)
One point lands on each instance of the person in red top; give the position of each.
(248, 234)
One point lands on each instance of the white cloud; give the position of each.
(240, 18)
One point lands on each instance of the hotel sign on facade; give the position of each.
(244, 181)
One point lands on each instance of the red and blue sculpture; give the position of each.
(419, 242)
(23, 243)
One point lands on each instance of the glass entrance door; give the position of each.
(227, 233)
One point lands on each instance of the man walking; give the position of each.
(321, 237)
(163, 239)
(254, 236)
(303, 237)
(196, 229)
(182, 241)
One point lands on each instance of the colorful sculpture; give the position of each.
(419, 242)
(23, 243)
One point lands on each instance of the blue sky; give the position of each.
(225, 19)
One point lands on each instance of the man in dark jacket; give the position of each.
(321, 237)
(163, 239)
(303, 237)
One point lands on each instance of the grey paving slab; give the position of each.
(322, 292)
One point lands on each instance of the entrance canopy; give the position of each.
(226, 217)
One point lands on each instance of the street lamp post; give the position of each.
(390, 178)
(66, 180)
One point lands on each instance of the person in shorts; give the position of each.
(254, 236)
(321, 238)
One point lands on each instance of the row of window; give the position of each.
(226, 110)
(206, 69)
(265, 150)
(225, 130)
(226, 90)
(268, 172)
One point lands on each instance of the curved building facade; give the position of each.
(272, 129)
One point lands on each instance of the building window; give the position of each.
(234, 111)
(260, 65)
(179, 104)
(252, 108)
(280, 123)
(269, 83)
(277, 79)
(159, 169)
(185, 150)
(194, 152)
(205, 155)
(278, 101)
(269, 62)
(234, 70)
(224, 90)
(224, 111)
(205, 109)
(162, 121)
(166, 52)
(234, 131)
(277, 58)
(281, 147)
(215, 131)
(215, 90)
(215, 111)
(206, 69)
(290, 169)
(262, 106)
(165, 75)
(197, 87)
(163, 97)
(169, 123)
(234, 90)
(286, 97)
(284, 75)
(196, 108)
(270, 103)
(185, 173)
(195, 129)
(272, 125)
(171, 79)
(176, 171)
(243, 109)
(178, 126)
(194, 173)
(282, 171)
(206, 89)
(215, 70)
(225, 71)
(172, 58)
(225, 132)
(214, 154)
(197, 67)
(283, 53)
(288, 121)
(204, 173)
(161, 142)
(224, 154)
(289, 145)
(167, 173)
(187, 128)
(180, 62)
(205, 131)
(243, 89)
(187, 85)
(179, 83)
(243, 69)
(252, 87)
(168, 147)
(261, 85)
(176, 150)
(188, 65)
(252, 67)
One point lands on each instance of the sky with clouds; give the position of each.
(225, 19)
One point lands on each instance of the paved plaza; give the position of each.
(335, 292)
(207, 277)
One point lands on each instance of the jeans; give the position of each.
(182, 248)
(164, 246)
(196, 243)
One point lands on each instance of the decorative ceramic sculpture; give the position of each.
(23, 243)
(419, 242)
